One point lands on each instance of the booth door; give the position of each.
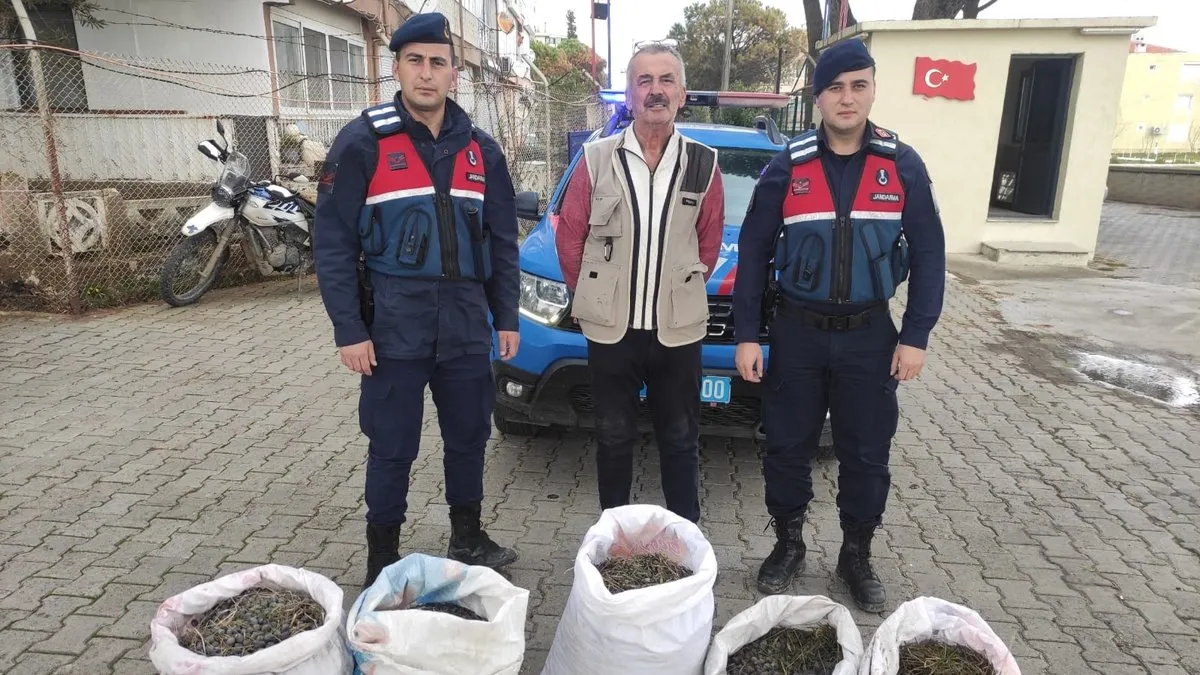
(1044, 135)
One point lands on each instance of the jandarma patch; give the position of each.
(885, 197)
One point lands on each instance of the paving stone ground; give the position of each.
(147, 450)
(1156, 244)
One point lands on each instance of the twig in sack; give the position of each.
(450, 608)
(254, 619)
(627, 573)
(788, 651)
(930, 657)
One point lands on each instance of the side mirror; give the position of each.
(209, 149)
(221, 132)
(527, 206)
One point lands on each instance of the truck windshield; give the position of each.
(740, 169)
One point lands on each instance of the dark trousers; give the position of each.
(672, 379)
(391, 412)
(847, 373)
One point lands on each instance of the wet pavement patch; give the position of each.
(1175, 387)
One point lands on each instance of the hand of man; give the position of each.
(360, 357)
(907, 362)
(749, 360)
(509, 341)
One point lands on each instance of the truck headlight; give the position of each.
(543, 300)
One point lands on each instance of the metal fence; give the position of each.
(97, 180)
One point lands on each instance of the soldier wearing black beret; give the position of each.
(416, 244)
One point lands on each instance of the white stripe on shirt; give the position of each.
(646, 259)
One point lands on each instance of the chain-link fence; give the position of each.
(94, 192)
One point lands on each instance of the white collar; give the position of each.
(631, 142)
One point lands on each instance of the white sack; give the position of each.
(787, 611)
(321, 651)
(932, 618)
(389, 640)
(660, 630)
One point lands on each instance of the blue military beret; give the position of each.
(431, 28)
(842, 57)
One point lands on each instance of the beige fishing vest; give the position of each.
(601, 303)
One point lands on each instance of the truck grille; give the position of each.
(720, 322)
(742, 411)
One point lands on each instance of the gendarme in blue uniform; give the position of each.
(839, 233)
(415, 317)
(434, 220)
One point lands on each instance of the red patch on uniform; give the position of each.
(801, 186)
(328, 176)
(882, 133)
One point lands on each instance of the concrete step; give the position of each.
(1056, 254)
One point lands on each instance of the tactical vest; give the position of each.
(407, 227)
(826, 256)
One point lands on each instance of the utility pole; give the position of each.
(779, 70)
(728, 43)
(43, 101)
(608, 25)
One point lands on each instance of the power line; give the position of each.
(161, 75)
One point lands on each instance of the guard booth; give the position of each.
(1014, 119)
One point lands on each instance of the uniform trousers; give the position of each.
(810, 371)
(391, 413)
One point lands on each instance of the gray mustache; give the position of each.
(655, 99)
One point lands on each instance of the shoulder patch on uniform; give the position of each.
(886, 134)
(803, 147)
(384, 118)
(328, 176)
(882, 147)
(700, 161)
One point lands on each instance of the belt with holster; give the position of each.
(832, 322)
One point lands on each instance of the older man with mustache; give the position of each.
(637, 239)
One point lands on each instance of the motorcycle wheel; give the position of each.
(190, 254)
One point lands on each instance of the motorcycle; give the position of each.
(275, 225)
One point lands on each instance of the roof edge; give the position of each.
(1112, 24)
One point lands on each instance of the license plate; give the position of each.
(713, 390)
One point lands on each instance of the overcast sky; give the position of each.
(633, 20)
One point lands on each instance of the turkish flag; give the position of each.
(948, 79)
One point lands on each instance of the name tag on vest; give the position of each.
(688, 201)
(884, 197)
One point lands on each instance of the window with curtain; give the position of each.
(320, 71)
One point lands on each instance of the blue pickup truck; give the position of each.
(546, 384)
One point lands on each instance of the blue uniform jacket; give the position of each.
(920, 220)
(415, 319)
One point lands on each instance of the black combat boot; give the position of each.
(383, 549)
(854, 568)
(470, 545)
(786, 559)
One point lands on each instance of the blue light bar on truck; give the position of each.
(713, 99)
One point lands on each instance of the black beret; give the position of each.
(431, 28)
(843, 57)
